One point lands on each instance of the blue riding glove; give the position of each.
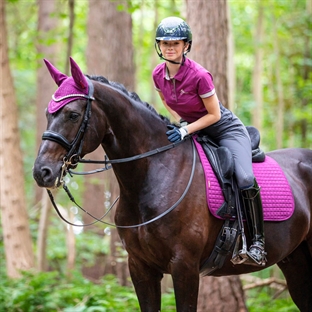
(176, 134)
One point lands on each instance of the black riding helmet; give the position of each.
(173, 28)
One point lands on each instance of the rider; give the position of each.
(187, 91)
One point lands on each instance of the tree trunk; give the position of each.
(221, 294)
(209, 23)
(45, 212)
(306, 71)
(280, 92)
(110, 54)
(15, 224)
(45, 89)
(257, 72)
(71, 6)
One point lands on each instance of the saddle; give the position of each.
(222, 163)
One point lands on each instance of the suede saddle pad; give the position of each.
(276, 194)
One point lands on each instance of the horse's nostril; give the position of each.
(46, 173)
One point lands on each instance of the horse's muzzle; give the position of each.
(46, 177)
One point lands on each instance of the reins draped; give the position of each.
(108, 162)
(124, 160)
(73, 157)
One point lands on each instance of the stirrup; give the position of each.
(240, 255)
(257, 254)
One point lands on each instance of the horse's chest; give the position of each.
(146, 245)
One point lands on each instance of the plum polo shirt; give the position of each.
(185, 91)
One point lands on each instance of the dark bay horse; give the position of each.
(178, 243)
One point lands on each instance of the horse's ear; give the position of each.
(78, 76)
(57, 76)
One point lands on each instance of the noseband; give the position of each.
(75, 147)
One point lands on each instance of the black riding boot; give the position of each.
(254, 216)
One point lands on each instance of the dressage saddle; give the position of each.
(222, 163)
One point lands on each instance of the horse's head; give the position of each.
(69, 135)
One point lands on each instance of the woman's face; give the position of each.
(173, 49)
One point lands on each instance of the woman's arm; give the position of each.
(172, 112)
(213, 115)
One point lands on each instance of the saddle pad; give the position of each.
(276, 194)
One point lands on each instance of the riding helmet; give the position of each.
(174, 28)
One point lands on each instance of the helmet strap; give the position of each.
(173, 62)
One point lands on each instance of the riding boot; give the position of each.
(254, 216)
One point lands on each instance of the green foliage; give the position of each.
(52, 291)
(88, 245)
(287, 28)
(264, 299)
(262, 302)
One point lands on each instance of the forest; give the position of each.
(263, 71)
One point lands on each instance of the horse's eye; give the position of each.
(73, 116)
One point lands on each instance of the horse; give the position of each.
(177, 243)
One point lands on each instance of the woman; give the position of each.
(187, 91)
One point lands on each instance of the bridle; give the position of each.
(74, 148)
(73, 157)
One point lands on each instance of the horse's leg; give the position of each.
(186, 284)
(297, 268)
(146, 282)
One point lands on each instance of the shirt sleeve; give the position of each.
(205, 85)
(154, 76)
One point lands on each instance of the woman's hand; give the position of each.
(176, 134)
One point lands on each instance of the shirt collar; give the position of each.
(181, 72)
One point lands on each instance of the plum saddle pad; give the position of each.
(276, 194)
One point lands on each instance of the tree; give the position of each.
(110, 54)
(16, 233)
(210, 42)
(45, 88)
(258, 70)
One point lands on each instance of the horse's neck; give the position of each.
(134, 130)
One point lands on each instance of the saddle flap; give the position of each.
(226, 161)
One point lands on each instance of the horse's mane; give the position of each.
(134, 96)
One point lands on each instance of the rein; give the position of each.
(108, 162)
(72, 158)
(127, 226)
